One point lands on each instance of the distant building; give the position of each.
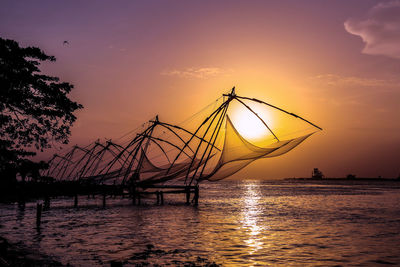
(317, 174)
(351, 176)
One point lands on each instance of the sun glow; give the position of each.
(249, 125)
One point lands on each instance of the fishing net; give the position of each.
(237, 152)
(213, 144)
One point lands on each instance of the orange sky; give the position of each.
(335, 63)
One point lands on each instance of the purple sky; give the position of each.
(335, 62)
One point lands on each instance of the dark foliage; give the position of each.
(34, 108)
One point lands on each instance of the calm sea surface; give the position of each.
(246, 223)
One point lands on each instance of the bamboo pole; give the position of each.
(38, 215)
(194, 134)
(204, 135)
(218, 126)
(187, 195)
(265, 124)
(275, 107)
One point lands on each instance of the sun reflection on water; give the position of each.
(251, 214)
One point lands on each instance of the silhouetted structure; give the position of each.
(317, 174)
(213, 150)
(351, 176)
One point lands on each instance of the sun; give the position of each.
(249, 126)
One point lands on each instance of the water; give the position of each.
(246, 223)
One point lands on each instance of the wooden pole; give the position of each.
(162, 197)
(76, 201)
(222, 107)
(187, 195)
(287, 112)
(194, 134)
(134, 198)
(38, 215)
(265, 124)
(158, 197)
(104, 201)
(218, 126)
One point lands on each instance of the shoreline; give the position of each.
(17, 254)
(343, 179)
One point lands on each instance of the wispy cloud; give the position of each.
(122, 49)
(344, 81)
(379, 29)
(200, 73)
(338, 90)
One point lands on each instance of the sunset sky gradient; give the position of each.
(336, 63)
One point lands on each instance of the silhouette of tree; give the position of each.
(34, 108)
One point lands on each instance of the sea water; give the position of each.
(237, 223)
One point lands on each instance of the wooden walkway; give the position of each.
(135, 193)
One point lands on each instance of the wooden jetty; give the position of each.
(32, 191)
(39, 191)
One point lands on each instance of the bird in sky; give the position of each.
(65, 42)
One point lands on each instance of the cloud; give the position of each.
(201, 73)
(122, 49)
(379, 29)
(344, 81)
(338, 90)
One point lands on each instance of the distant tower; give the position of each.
(317, 174)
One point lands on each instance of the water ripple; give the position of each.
(246, 223)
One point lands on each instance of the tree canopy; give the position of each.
(35, 109)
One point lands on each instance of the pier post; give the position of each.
(162, 197)
(158, 197)
(38, 215)
(196, 195)
(76, 201)
(187, 189)
(134, 198)
(133, 193)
